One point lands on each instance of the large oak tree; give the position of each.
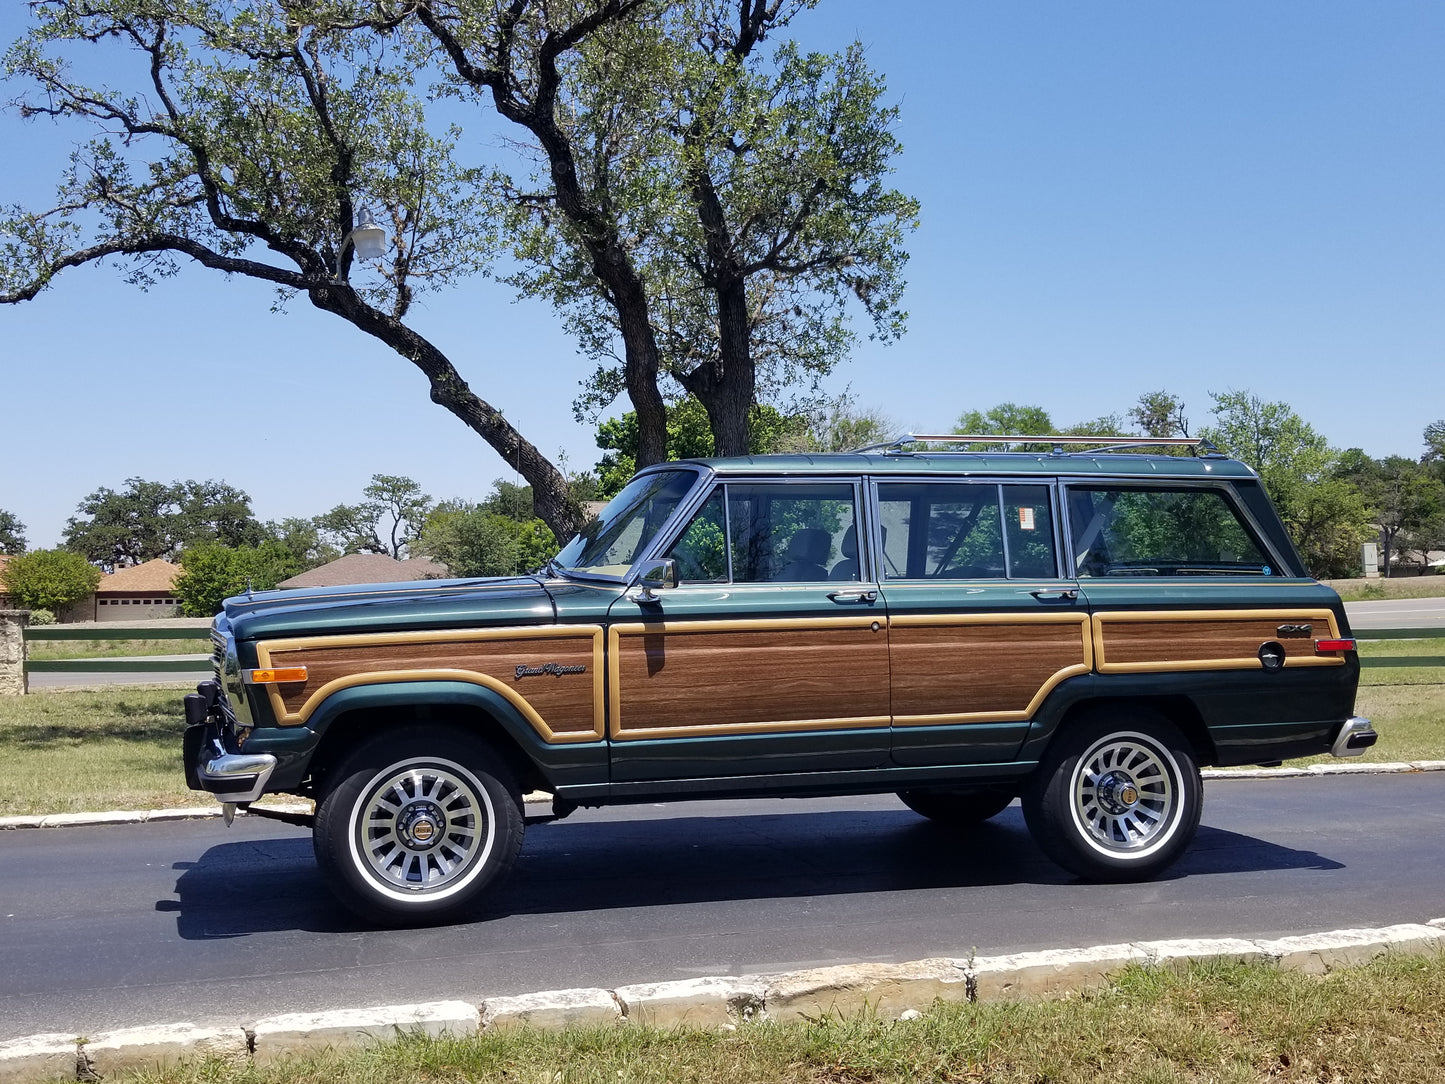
(243, 142)
(705, 212)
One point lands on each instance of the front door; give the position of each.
(982, 624)
(770, 657)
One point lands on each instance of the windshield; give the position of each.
(622, 531)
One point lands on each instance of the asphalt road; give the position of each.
(1397, 613)
(124, 925)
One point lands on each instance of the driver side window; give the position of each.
(771, 533)
(701, 552)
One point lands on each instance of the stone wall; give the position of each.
(12, 651)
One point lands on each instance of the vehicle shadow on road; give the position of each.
(596, 863)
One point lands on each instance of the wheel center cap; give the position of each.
(421, 825)
(1118, 793)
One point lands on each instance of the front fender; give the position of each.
(560, 763)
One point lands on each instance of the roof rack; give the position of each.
(1199, 446)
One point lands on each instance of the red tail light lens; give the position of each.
(1328, 647)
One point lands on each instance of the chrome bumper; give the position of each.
(1355, 736)
(233, 777)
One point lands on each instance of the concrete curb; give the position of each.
(121, 816)
(137, 816)
(891, 991)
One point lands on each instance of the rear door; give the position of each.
(983, 621)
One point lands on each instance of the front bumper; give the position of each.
(232, 777)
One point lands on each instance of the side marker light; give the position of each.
(275, 676)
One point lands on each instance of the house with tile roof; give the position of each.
(139, 593)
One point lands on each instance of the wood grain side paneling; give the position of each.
(962, 668)
(562, 706)
(1135, 642)
(687, 679)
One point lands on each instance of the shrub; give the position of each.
(49, 579)
(42, 617)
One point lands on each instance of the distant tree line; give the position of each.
(1330, 499)
(210, 530)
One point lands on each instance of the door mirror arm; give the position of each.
(654, 576)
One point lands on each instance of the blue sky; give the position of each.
(1116, 198)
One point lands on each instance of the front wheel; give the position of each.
(417, 825)
(1117, 797)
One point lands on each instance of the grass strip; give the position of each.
(1221, 1023)
(1403, 675)
(60, 650)
(1362, 590)
(77, 751)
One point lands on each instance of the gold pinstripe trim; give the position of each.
(753, 624)
(1086, 642)
(619, 732)
(408, 587)
(379, 677)
(1249, 662)
(859, 722)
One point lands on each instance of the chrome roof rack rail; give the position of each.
(1199, 446)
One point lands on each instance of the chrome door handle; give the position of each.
(1069, 593)
(853, 596)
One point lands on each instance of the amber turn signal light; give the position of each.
(275, 676)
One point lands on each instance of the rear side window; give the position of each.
(1161, 531)
(966, 531)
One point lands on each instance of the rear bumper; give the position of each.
(1356, 734)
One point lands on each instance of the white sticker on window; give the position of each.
(1026, 519)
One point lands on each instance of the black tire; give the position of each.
(417, 825)
(1117, 796)
(956, 808)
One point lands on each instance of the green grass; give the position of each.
(1403, 675)
(1410, 720)
(54, 650)
(1395, 587)
(71, 751)
(1222, 1024)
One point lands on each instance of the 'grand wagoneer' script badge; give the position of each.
(556, 669)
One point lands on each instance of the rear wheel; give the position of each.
(1117, 797)
(955, 808)
(417, 826)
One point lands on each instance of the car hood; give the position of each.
(383, 607)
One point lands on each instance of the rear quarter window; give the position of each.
(1161, 531)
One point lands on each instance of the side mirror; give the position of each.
(654, 576)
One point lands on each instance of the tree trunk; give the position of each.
(726, 387)
(551, 495)
(640, 357)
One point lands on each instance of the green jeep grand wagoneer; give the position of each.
(1077, 629)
